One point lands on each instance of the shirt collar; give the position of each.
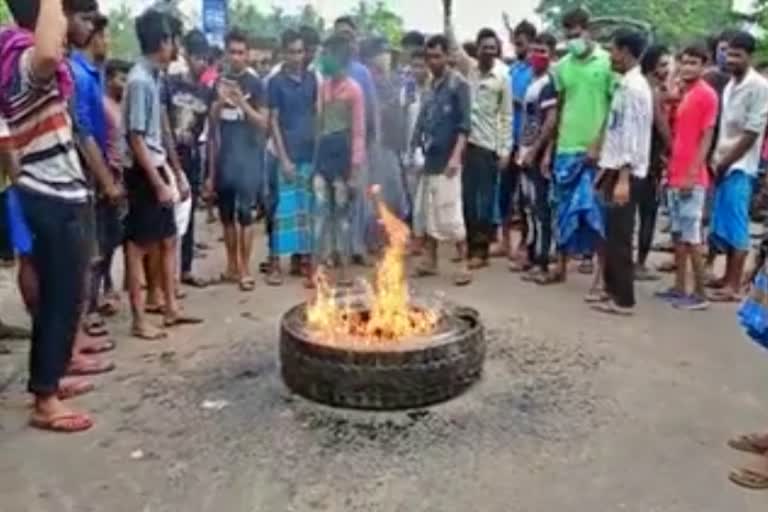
(82, 60)
(632, 74)
(747, 79)
(150, 66)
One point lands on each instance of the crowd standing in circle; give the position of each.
(572, 147)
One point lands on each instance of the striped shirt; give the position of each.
(42, 134)
(627, 141)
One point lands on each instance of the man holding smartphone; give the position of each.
(237, 139)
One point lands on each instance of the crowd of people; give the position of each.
(568, 141)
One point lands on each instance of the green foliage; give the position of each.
(122, 34)
(372, 18)
(674, 21)
(379, 20)
(250, 15)
(5, 15)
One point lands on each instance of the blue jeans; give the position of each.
(60, 255)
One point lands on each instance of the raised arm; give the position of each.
(464, 62)
(50, 34)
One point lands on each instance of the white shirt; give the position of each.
(627, 141)
(745, 108)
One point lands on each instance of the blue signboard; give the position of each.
(215, 20)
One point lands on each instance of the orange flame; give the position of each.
(390, 315)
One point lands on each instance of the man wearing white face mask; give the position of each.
(584, 82)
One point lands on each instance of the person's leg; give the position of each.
(618, 262)
(153, 274)
(682, 255)
(246, 234)
(648, 206)
(624, 264)
(188, 242)
(135, 274)
(699, 271)
(470, 188)
(60, 257)
(227, 213)
(489, 175)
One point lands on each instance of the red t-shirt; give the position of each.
(696, 114)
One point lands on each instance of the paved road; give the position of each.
(576, 412)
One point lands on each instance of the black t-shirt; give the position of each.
(241, 148)
(188, 103)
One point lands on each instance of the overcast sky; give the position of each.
(424, 15)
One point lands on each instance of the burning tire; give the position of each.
(399, 375)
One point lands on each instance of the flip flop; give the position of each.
(74, 391)
(612, 309)
(274, 278)
(516, 267)
(182, 320)
(749, 479)
(550, 279)
(96, 328)
(195, 282)
(723, 297)
(749, 443)
(99, 348)
(94, 367)
(596, 297)
(147, 336)
(462, 278)
(531, 276)
(180, 294)
(64, 424)
(247, 284)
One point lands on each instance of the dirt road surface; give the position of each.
(576, 412)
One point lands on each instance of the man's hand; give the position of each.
(621, 190)
(289, 170)
(164, 194)
(114, 192)
(453, 168)
(184, 189)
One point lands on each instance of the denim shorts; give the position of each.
(686, 213)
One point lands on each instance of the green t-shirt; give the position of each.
(585, 87)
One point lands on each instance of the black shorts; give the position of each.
(236, 206)
(147, 221)
(6, 246)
